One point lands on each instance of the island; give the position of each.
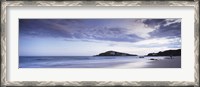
(167, 53)
(114, 53)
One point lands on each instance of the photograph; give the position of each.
(122, 43)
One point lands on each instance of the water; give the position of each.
(79, 61)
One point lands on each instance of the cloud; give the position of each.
(160, 42)
(154, 22)
(164, 27)
(172, 30)
(172, 21)
(112, 44)
(42, 28)
(117, 30)
(138, 28)
(78, 29)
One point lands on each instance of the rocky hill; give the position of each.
(114, 53)
(167, 53)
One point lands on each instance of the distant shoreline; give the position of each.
(116, 53)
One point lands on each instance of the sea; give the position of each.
(80, 61)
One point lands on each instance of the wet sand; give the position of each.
(175, 62)
(153, 62)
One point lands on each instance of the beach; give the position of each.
(123, 62)
(153, 62)
(175, 62)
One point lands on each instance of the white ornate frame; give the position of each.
(5, 4)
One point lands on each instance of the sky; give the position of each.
(88, 37)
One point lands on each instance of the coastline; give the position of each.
(166, 62)
(117, 63)
(175, 62)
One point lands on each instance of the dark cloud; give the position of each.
(164, 27)
(40, 28)
(154, 22)
(108, 34)
(172, 30)
(77, 29)
(99, 29)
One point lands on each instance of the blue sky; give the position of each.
(87, 37)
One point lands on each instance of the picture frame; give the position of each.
(4, 38)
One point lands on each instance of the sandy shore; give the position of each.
(175, 62)
(166, 62)
(120, 63)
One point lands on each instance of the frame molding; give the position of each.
(5, 4)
